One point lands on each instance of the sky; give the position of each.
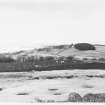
(26, 24)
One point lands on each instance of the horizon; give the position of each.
(41, 46)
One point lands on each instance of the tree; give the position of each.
(84, 46)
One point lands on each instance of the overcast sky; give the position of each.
(28, 24)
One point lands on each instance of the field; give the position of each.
(49, 86)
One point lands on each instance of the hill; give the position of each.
(52, 58)
(59, 51)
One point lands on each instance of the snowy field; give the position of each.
(49, 85)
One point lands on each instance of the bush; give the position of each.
(101, 59)
(101, 97)
(6, 59)
(1, 89)
(94, 97)
(60, 46)
(74, 97)
(84, 46)
(85, 59)
(69, 58)
(48, 58)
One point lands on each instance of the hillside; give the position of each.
(58, 57)
(59, 51)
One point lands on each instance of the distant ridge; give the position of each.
(57, 51)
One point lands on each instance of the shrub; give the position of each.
(23, 93)
(6, 59)
(53, 89)
(70, 58)
(94, 97)
(87, 86)
(49, 58)
(85, 58)
(84, 46)
(74, 97)
(47, 49)
(101, 59)
(89, 98)
(60, 46)
(101, 97)
(1, 89)
(94, 59)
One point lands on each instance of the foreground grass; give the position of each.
(53, 86)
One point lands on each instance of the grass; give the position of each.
(47, 101)
(44, 101)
